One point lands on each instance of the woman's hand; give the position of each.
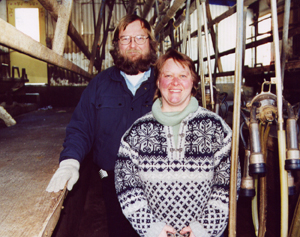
(167, 229)
(185, 230)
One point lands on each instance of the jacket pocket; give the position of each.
(109, 112)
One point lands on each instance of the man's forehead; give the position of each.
(134, 22)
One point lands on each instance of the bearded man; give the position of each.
(112, 101)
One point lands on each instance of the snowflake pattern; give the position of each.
(155, 185)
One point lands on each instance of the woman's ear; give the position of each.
(157, 83)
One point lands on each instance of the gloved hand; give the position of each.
(68, 171)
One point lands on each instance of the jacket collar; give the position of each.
(116, 75)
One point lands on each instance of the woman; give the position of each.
(172, 171)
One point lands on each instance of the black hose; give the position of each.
(242, 136)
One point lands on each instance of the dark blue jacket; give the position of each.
(105, 111)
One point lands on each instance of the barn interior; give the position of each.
(247, 54)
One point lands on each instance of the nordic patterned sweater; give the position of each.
(159, 184)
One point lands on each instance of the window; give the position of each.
(27, 21)
(264, 30)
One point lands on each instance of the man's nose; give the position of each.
(132, 42)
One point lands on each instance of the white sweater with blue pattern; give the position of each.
(159, 184)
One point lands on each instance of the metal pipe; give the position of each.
(97, 36)
(208, 55)
(147, 7)
(292, 161)
(187, 26)
(257, 165)
(285, 35)
(170, 13)
(236, 121)
(247, 184)
(200, 56)
(280, 132)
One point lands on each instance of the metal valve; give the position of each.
(292, 161)
(247, 184)
(257, 164)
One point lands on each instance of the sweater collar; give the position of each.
(173, 118)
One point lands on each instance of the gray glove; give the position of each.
(68, 171)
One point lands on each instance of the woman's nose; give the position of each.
(175, 80)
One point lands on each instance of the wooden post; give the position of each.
(61, 29)
(236, 119)
(52, 7)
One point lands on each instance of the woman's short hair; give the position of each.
(125, 21)
(181, 58)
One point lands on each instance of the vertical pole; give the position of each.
(208, 54)
(280, 132)
(236, 118)
(62, 25)
(200, 56)
(286, 19)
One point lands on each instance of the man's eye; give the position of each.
(139, 37)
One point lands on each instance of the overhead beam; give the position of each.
(106, 30)
(170, 13)
(131, 6)
(229, 12)
(210, 24)
(15, 39)
(53, 7)
(147, 7)
(62, 25)
(97, 36)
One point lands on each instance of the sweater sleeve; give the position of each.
(131, 195)
(214, 218)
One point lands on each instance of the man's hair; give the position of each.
(132, 68)
(183, 60)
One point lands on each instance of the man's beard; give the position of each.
(133, 67)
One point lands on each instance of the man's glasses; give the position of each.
(139, 39)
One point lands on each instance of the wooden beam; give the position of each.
(15, 39)
(97, 35)
(62, 25)
(52, 7)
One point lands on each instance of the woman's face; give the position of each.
(175, 84)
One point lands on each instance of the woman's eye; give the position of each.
(183, 76)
